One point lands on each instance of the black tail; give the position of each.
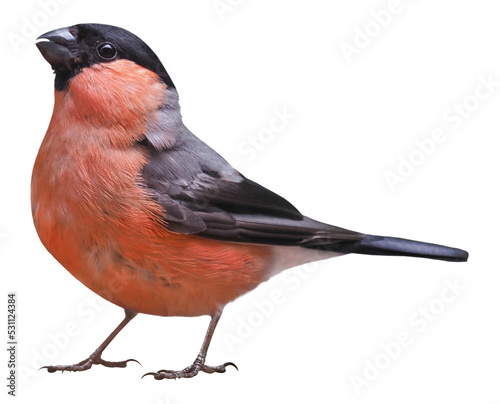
(379, 245)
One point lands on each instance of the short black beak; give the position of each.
(56, 47)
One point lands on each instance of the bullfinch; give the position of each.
(148, 216)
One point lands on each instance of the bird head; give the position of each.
(70, 50)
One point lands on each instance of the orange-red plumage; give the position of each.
(93, 215)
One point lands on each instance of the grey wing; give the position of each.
(202, 194)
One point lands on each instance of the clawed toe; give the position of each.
(218, 369)
(121, 364)
(190, 371)
(230, 364)
(87, 364)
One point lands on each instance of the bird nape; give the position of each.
(144, 213)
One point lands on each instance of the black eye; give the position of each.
(107, 50)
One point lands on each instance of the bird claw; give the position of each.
(121, 364)
(87, 364)
(190, 371)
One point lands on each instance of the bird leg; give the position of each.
(95, 358)
(199, 363)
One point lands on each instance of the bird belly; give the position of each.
(108, 233)
(173, 276)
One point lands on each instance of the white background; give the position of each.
(351, 122)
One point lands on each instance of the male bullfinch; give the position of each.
(144, 213)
